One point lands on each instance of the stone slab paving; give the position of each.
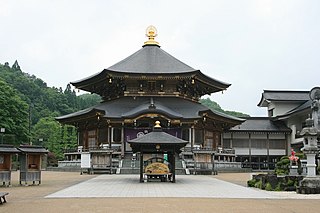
(185, 186)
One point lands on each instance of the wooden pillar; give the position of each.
(86, 142)
(173, 166)
(193, 137)
(268, 151)
(141, 167)
(109, 136)
(123, 142)
(250, 160)
(97, 137)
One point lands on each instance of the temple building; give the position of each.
(260, 142)
(148, 86)
(291, 108)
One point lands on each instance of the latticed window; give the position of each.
(277, 144)
(241, 143)
(116, 135)
(185, 134)
(92, 138)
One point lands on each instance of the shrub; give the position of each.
(282, 167)
(290, 182)
(251, 183)
(278, 187)
(268, 187)
(258, 184)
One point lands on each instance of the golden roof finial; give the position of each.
(157, 124)
(151, 33)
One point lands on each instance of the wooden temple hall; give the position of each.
(148, 86)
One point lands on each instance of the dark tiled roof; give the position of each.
(88, 111)
(151, 59)
(129, 107)
(278, 95)
(147, 108)
(4, 148)
(32, 149)
(260, 124)
(158, 137)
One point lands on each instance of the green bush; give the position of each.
(268, 187)
(251, 182)
(278, 187)
(258, 184)
(290, 183)
(282, 166)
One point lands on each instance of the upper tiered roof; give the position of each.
(150, 62)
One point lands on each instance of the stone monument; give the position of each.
(311, 183)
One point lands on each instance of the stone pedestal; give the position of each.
(293, 170)
(311, 166)
(309, 185)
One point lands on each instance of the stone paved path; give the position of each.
(185, 186)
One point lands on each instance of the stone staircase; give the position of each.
(129, 166)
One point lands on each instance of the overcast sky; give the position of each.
(254, 45)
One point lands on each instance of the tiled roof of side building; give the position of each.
(6, 148)
(283, 95)
(32, 149)
(260, 124)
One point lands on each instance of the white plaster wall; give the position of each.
(259, 151)
(245, 151)
(241, 151)
(277, 152)
(241, 135)
(280, 108)
(277, 136)
(259, 136)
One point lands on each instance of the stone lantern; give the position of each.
(310, 148)
(311, 183)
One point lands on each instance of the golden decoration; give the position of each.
(151, 33)
(157, 124)
(157, 168)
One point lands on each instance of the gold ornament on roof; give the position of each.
(151, 33)
(157, 124)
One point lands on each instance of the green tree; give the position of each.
(88, 100)
(211, 104)
(13, 113)
(47, 134)
(216, 107)
(56, 138)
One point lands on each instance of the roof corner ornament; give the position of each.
(151, 33)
